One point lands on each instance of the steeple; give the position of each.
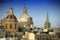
(47, 23)
(10, 12)
(25, 10)
(47, 18)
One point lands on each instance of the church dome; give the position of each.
(25, 19)
(10, 15)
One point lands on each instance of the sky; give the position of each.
(37, 9)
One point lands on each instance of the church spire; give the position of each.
(10, 12)
(47, 23)
(25, 10)
(47, 18)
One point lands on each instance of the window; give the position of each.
(11, 17)
(6, 26)
(47, 38)
(38, 38)
(15, 26)
(10, 26)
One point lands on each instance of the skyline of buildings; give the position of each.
(24, 18)
(29, 20)
(22, 29)
(36, 9)
(12, 29)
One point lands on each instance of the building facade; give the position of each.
(10, 21)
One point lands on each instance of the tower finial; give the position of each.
(10, 12)
(25, 10)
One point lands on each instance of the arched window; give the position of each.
(11, 17)
(6, 26)
(38, 38)
(15, 26)
(10, 26)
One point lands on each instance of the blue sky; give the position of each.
(37, 9)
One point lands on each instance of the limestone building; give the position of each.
(2, 33)
(10, 21)
(25, 19)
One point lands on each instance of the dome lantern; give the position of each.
(25, 10)
(10, 12)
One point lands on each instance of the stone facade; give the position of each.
(46, 37)
(10, 21)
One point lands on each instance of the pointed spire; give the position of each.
(47, 23)
(47, 18)
(10, 12)
(25, 10)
